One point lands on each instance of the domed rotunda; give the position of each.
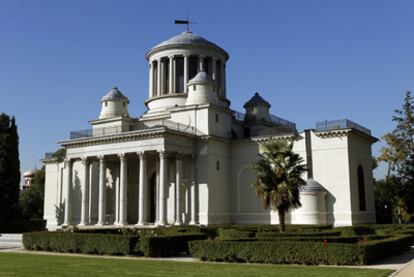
(177, 60)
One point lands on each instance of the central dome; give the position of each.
(177, 60)
(187, 39)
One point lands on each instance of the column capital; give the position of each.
(121, 156)
(101, 158)
(171, 56)
(141, 154)
(201, 56)
(215, 59)
(68, 161)
(84, 159)
(186, 55)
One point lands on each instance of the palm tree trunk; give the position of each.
(282, 226)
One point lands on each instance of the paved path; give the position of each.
(403, 264)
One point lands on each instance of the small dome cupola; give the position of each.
(114, 104)
(202, 90)
(257, 108)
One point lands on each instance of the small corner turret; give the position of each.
(114, 104)
(257, 108)
(202, 90)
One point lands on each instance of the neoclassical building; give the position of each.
(187, 159)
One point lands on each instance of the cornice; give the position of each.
(345, 132)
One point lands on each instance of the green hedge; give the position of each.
(165, 246)
(80, 243)
(235, 234)
(379, 249)
(280, 252)
(300, 252)
(272, 235)
(21, 226)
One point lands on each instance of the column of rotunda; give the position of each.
(158, 78)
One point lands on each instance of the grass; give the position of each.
(18, 264)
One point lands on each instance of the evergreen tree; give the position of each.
(9, 169)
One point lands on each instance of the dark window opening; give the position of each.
(194, 87)
(361, 189)
(123, 104)
(193, 67)
(218, 165)
(179, 73)
(217, 117)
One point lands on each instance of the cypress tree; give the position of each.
(9, 169)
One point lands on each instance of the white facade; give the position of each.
(187, 159)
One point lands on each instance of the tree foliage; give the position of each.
(9, 168)
(32, 199)
(278, 178)
(398, 187)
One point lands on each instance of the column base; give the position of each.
(121, 224)
(83, 224)
(192, 223)
(178, 223)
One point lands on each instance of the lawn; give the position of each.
(17, 264)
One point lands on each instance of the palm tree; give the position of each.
(278, 178)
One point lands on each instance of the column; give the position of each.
(116, 210)
(102, 192)
(214, 69)
(178, 174)
(201, 63)
(159, 77)
(123, 180)
(193, 184)
(142, 203)
(163, 178)
(171, 75)
(85, 193)
(163, 79)
(186, 71)
(223, 80)
(151, 84)
(68, 205)
(157, 191)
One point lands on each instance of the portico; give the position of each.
(155, 189)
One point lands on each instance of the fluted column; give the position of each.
(178, 176)
(142, 218)
(85, 192)
(163, 200)
(102, 191)
(151, 81)
(68, 204)
(159, 83)
(201, 63)
(214, 69)
(186, 71)
(123, 192)
(193, 184)
(171, 75)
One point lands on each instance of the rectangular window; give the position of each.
(217, 117)
(218, 165)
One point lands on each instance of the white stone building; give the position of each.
(187, 159)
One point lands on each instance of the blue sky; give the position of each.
(313, 60)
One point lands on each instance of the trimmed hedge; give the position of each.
(21, 226)
(274, 235)
(300, 252)
(280, 252)
(235, 234)
(379, 249)
(80, 243)
(166, 246)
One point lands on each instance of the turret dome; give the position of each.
(114, 104)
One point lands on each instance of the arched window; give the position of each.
(361, 189)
